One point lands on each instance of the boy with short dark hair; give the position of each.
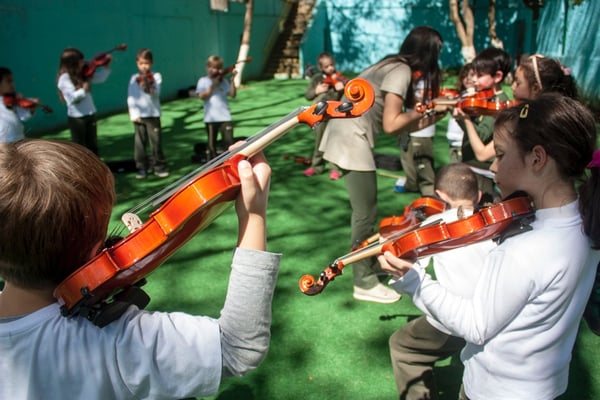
(491, 65)
(143, 102)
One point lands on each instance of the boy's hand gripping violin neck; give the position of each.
(102, 289)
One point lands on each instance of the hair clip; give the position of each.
(565, 70)
(595, 163)
(524, 111)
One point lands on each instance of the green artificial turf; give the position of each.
(323, 347)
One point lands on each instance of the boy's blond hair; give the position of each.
(215, 62)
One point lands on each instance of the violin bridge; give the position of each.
(131, 221)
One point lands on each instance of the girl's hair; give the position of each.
(55, 205)
(215, 62)
(144, 54)
(491, 60)
(4, 72)
(548, 75)
(69, 63)
(420, 51)
(567, 131)
(458, 181)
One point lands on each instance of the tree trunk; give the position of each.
(494, 39)
(465, 27)
(245, 45)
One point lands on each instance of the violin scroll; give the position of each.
(360, 95)
(310, 287)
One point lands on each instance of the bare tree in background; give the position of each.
(245, 45)
(494, 39)
(465, 27)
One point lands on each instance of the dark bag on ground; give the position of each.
(388, 162)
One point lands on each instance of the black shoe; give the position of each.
(141, 174)
(161, 172)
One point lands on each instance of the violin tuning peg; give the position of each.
(320, 108)
(345, 107)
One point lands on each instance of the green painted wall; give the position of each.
(181, 34)
(570, 33)
(360, 32)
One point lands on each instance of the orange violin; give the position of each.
(334, 79)
(448, 93)
(474, 106)
(11, 100)
(497, 222)
(100, 60)
(455, 101)
(185, 208)
(414, 213)
(230, 69)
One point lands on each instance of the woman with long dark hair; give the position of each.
(349, 143)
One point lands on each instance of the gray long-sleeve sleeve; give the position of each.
(245, 319)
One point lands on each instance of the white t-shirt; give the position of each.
(79, 102)
(140, 103)
(143, 354)
(11, 127)
(454, 133)
(216, 106)
(166, 347)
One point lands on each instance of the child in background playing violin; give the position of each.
(75, 91)
(68, 196)
(214, 89)
(143, 101)
(491, 65)
(328, 85)
(535, 75)
(416, 151)
(521, 322)
(454, 133)
(11, 115)
(416, 346)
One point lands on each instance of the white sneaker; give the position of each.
(378, 294)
